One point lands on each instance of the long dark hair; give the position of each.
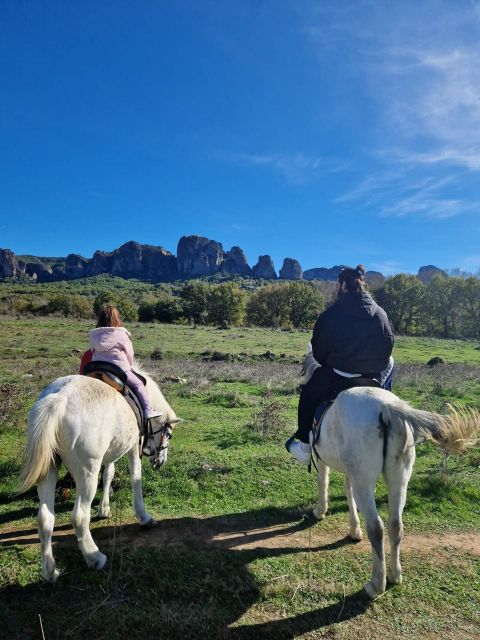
(109, 317)
(354, 279)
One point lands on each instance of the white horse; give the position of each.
(370, 431)
(86, 424)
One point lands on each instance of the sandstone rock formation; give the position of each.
(8, 264)
(428, 272)
(374, 280)
(100, 263)
(40, 271)
(235, 263)
(291, 270)
(75, 266)
(264, 268)
(323, 273)
(198, 256)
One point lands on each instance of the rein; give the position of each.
(149, 437)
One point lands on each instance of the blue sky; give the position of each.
(331, 132)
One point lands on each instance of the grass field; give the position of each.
(232, 556)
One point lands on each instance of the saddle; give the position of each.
(117, 379)
(325, 405)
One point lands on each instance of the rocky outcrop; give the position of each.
(264, 268)
(39, 271)
(291, 270)
(100, 263)
(322, 273)
(198, 256)
(158, 264)
(127, 260)
(428, 272)
(8, 264)
(75, 266)
(375, 280)
(135, 260)
(235, 263)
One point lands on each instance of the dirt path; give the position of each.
(224, 533)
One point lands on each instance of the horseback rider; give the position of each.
(110, 342)
(353, 342)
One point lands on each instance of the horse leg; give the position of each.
(365, 499)
(104, 506)
(397, 477)
(86, 488)
(46, 522)
(135, 464)
(322, 483)
(355, 529)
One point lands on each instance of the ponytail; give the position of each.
(354, 279)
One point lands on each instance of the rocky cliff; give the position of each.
(291, 270)
(197, 256)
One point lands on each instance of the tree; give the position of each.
(226, 304)
(443, 305)
(195, 297)
(269, 306)
(167, 309)
(402, 298)
(471, 308)
(306, 303)
(75, 305)
(127, 309)
(146, 312)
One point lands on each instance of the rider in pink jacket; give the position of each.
(110, 342)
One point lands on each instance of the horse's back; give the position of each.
(352, 435)
(94, 414)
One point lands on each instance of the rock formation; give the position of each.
(428, 272)
(40, 271)
(235, 263)
(374, 280)
(8, 264)
(291, 270)
(323, 273)
(75, 266)
(100, 263)
(198, 256)
(264, 268)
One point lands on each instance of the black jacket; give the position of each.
(353, 335)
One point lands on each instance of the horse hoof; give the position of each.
(97, 561)
(394, 579)
(315, 515)
(149, 524)
(372, 592)
(104, 514)
(356, 536)
(51, 578)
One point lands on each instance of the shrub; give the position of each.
(268, 419)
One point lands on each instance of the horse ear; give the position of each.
(176, 421)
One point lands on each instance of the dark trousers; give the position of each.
(324, 384)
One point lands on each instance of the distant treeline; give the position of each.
(446, 307)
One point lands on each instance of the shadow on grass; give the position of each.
(186, 578)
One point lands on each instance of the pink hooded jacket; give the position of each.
(112, 344)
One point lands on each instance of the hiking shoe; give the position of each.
(301, 451)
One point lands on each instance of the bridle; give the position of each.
(155, 454)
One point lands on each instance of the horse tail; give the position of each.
(43, 422)
(454, 432)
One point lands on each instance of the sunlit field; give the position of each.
(232, 555)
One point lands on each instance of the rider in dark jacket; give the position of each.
(351, 339)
